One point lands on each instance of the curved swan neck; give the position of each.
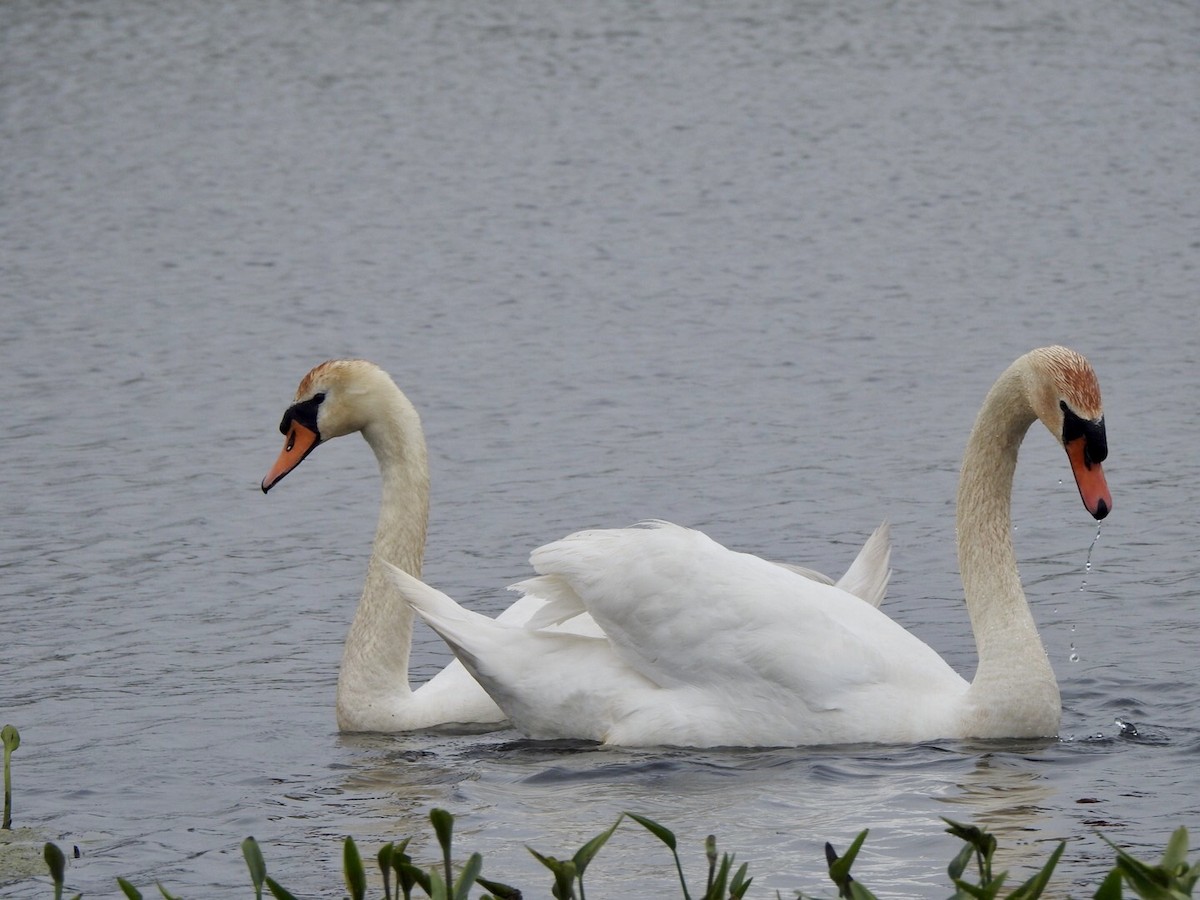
(375, 660)
(1012, 660)
(399, 447)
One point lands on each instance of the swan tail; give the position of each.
(868, 575)
(441, 612)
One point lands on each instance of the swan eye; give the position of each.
(1093, 434)
(305, 413)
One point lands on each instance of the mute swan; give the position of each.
(341, 397)
(703, 646)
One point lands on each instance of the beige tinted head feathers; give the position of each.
(332, 400)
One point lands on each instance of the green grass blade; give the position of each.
(437, 887)
(858, 892)
(585, 854)
(411, 876)
(278, 891)
(718, 879)
(958, 865)
(1032, 889)
(663, 834)
(384, 858)
(1110, 888)
(57, 864)
(256, 864)
(839, 866)
(129, 890)
(352, 866)
(498, 890)
(667, 837)
(443, 827)
(564, 874)
(1175, 857)
(466, 880)
(740, 883)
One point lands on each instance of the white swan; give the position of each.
(703, 646)
(341, 397)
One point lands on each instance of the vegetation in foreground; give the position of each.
(971, 872)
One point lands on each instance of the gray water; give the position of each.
(747, 266)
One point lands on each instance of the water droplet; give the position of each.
(1074, 657)
(1087, 565)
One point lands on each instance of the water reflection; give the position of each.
(1008, 796)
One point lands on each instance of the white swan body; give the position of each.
(703, 646)
(341, 397)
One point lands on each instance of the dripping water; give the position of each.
(1073, 655)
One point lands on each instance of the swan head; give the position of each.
(1065, 394)
(336, 398)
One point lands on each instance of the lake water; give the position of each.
(747, 266)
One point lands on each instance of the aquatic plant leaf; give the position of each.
(256, 864)
(1032, 889)
(278, 891)
(1149, 882)
(718, 875)
(129, 890)
(443, 827)
(411, 875)
(585, 854)
(985, 890)
(663, 834)
(55, 861)
(466, 880)
(352, 866)
(740, 883)
(167, 895)
(984, 844)
(498, 890)
(1175, 856)
(958, 865)
(1110, 888)
(437, 887)
(667, 837)
(564, 874)
(384, 858)
(858, 892)
(408, 875)
(839, 866)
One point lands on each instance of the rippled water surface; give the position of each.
(750, 267)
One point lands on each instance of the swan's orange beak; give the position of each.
(1089, 478)
(299, 443)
